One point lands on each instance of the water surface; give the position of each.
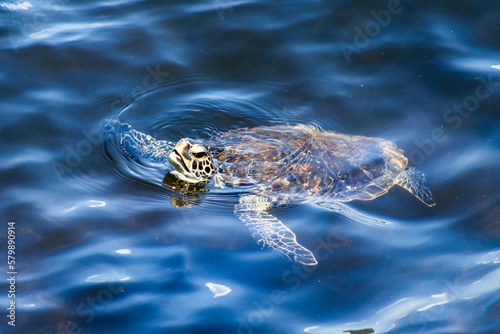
(103, 246)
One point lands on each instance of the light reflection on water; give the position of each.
(107, 244)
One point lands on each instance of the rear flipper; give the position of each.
(415, 182)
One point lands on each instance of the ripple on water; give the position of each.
(109, 245)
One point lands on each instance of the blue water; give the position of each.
(103, 246)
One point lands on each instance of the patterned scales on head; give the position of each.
(287, 163)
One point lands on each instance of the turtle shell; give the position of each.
(301, 162)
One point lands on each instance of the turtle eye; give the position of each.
(199, 155)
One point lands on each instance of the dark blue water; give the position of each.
(102, 246)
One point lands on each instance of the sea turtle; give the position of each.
(274, 165)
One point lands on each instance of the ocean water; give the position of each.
(104, 245)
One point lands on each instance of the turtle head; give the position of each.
(192, 161)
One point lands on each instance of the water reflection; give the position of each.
(176, 69)
(184, 193)
(360, 331)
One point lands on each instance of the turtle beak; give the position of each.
(179, 159)
(176, 160)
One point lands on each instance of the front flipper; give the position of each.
(268, 231)
(137, 145)
(414, 181)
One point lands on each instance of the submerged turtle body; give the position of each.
(278, 164)
(300, 162)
